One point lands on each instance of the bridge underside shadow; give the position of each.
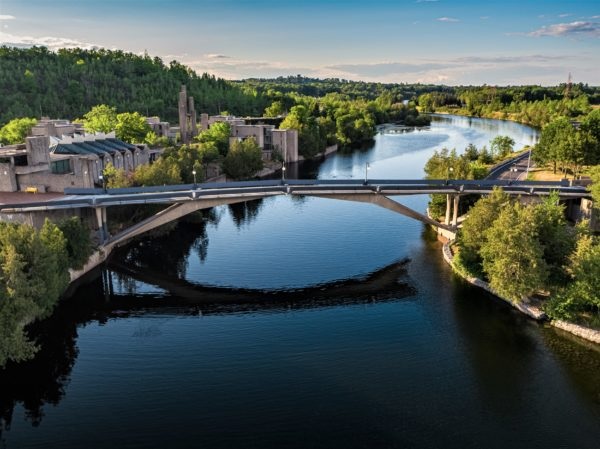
(179, 210)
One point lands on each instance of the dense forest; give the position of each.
(37, 82)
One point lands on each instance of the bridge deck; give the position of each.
(83, 198)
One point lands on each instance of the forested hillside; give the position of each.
(314, 87)
(67, 84)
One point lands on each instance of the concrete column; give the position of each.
(448, 209)
(104, 223)
(101, 219)
(455, 212)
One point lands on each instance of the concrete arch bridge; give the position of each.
(185, 199)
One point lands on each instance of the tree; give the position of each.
(501, 146)
(78, 242)
(100, 118)
(115, 178)
(132, 127)
(275, 110)
(164, 171)
(33, 274)
(554, 139)
(16, 130)
(512, 258)
(581, 293)
(218, 134)
(473, 234)
(553, 236)
(244, 159)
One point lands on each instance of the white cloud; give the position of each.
(564, 15)
(447, 19)
(217, 56)
(53, 43)
(7, 17)
(579, 28)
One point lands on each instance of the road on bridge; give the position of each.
(514, 169)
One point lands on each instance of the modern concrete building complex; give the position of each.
(59, 155)
(268, 137)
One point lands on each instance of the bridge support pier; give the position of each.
(452, 202)
(455, 211)
(101, 217)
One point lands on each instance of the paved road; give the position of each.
(513, 170)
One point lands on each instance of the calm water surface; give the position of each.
(303, 323)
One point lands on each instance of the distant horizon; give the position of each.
(438, 42)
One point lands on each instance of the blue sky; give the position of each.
(430, 41)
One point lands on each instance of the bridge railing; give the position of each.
(313, 182)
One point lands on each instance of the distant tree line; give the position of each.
(532, 105)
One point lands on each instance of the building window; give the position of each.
(60, 167)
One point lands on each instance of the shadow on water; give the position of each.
(43, 380)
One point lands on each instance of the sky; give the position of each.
(453, 42)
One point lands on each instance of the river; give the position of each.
(303, 323)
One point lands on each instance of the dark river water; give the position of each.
(303, 323)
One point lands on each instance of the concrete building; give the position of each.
(162, 129)
(56, 128)
(268, 137)
(49, 163)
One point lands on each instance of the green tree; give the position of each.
(512, 258)
(100, 118)
(581, 293)
(132, 127)
(164, 171)
(244, 159)
(552, 147)
(32, 277)
(473, 234)
(501, 146)
(218, 134)
(275, 110)
(16, 130)
(554, 237)
(115, 178)
(78, 242)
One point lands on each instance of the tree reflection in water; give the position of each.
(44, 379)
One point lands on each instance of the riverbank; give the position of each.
(497, 115)
(529, 306)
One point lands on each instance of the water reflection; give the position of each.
(113, 295)
(246, 212)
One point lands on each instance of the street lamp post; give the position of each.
(101, 179)
(449, 173)
(194, 173)
(367, 168)
(514, 170)
(283, 172)
(528, 164)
